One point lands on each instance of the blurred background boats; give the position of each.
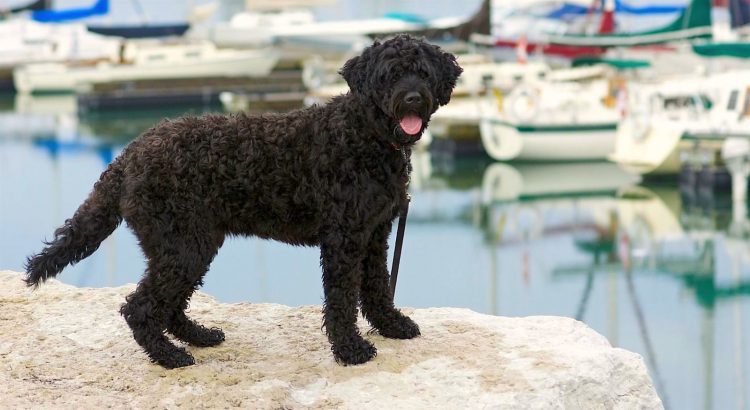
(147, 61)
(567, 110)
(29, 42)
(593, 161)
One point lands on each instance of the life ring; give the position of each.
(523, 104)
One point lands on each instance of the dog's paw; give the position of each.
(211, 337)
(200, 336)
(178, 357)
(357, 351)
(399, 327)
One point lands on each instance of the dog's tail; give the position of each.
(82, 234)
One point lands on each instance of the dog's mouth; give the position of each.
(411, 124)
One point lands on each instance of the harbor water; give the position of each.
(657, 271)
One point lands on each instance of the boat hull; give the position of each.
(648, 148)
(143, 31)
(505, 141)
(60, 78)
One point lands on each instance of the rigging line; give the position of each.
(650, 354)
(139, 9)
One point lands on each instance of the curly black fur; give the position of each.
(330, 176)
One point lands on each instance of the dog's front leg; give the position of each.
(377, 302)
(341, 255)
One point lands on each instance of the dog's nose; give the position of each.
(413, 97)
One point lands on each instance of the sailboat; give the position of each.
(532, 27)
(569, 115)
(669, 121)
(693, 23)
(100, 8)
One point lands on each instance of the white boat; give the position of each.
(665, 121)
(255, 28)
(551, 120)
(26, 41)
(148, 61)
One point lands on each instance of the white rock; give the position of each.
(62, 346)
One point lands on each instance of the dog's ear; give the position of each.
(449, 71)
(353, 73)
(354, 70)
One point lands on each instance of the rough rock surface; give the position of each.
(67, 347)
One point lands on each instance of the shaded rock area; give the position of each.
(67, 347)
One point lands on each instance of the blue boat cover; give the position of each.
(655, 9)
(739, 10)
(569, 9)
(406, 17)
(52, 16)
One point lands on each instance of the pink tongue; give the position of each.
(411, 124)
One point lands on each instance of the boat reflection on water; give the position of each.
(657, 271)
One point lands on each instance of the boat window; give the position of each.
(732, 105)
(193, 54)
(746, 107)
(682, 101)
(686, 101)
(156, 57)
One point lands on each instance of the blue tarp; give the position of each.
(52, 16)
(657, 9)
(568, 9)
(739, 10)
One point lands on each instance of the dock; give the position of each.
(282, 89)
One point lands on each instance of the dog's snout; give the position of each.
(413, 97)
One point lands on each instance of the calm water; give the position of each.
(660, 273)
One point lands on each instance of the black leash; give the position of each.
(399, 243)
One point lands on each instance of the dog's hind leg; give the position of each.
(375, 294)
(190, 331)
(176, 266)
(341, 256)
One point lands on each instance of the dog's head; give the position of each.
(407, 79)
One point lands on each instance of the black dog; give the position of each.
(332, 176)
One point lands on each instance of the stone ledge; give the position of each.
(67, 347)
